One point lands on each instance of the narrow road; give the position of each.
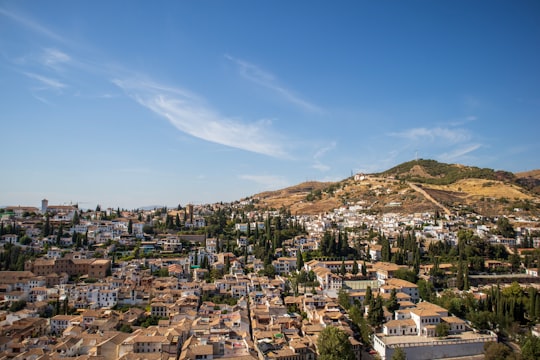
(429, 197)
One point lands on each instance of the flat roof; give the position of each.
(415, 340)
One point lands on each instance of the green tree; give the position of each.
(334, 344)
(530, 349)
(399, 354)
(368, 298)
(47, 226)
(376, 312)
(504, 228)
(343, 299)
(125, 328)
(425, 289)
(392, 304)
(25, 240)
(364, 269)
(59, 234)
(442, 329)
(355, 269)
(75, 220)
(385, 250)
(497, 351)
(405, 274)
(130, 227)
(17, 305)
(299, 260)
(460, 280)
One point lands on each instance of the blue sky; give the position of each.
(134, 103)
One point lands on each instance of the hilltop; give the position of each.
(415, 186)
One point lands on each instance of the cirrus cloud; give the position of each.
(190, 114)
(434, 134)
(263, 78)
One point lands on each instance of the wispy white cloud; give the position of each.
(267, 181)
(319, 154)
(189, 113)
(54, 58)
(47, 82)
(434, 134)
(463, 120)
(320, 166)
(32, 25)
(42, 99)
(263, 78)
(459, 153)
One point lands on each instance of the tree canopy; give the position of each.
(334, 344)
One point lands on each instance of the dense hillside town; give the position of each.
(229, 281)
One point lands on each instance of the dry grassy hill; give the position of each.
(438, 186)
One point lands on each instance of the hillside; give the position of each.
(434, 172)
(415, 186)
(530, 180)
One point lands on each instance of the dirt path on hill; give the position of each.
(429, 197)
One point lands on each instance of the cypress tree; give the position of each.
(354, 270)
(466, 284)
(385, 251)
(299, 260)
(75, 220)
(364, 269)
(46, 227)
(459, 276)
(369, 297)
